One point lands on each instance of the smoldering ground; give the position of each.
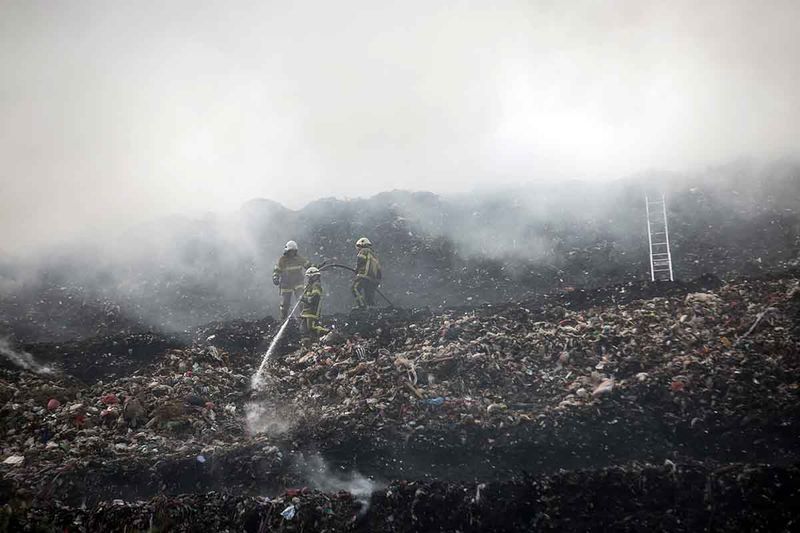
(179, 272)
(22, 359)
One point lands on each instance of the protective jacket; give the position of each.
(290, 269)
(312, 300)
(368, 266)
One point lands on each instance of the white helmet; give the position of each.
(291, 245)
(362, 242)
(312, 271)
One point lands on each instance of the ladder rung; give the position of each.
(660, 253)
(660, 243)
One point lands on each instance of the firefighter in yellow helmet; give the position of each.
(368, 274)
(312, 304)
(288, 275)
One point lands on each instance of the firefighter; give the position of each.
(368, 274)
(288, 275)
(312, 303)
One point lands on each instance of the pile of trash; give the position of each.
(187, 404)
(695, 353)
(51, 312)
(453, 406)
(684, 497)
(436, 251)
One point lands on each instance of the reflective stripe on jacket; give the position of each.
(367, 265)
(312, 300)
(291, 269)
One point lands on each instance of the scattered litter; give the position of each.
(289, 512)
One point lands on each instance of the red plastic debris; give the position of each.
(109, 399)
(53, 404)
(677, 386)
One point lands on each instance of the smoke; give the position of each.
(267, 419)
(116, 113)
(124, 187)
(178, 272)
(322, 478)
(22, 359)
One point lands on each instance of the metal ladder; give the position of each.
(658, 239)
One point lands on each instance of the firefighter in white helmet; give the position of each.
(288, 275)
(312, 304)
(368, 274)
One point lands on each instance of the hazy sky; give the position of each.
(113, 112)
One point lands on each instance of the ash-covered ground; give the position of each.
(529, 376)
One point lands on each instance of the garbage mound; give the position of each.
(436, 251)
(495, 369)
(685, 497)
(676, 411)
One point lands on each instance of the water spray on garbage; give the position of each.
(256, 381)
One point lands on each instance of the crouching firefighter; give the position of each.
(368, 274)
(288, 275)
(312, 303)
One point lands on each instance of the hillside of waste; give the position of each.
(627, 407)
(437, 251)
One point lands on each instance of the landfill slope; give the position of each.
(437, 251)
(629, 407)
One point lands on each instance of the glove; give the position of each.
(276, 280)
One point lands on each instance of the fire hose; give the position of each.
(326, 266)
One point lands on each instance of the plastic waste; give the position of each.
(289, 512)
(434, 401)
(109, 399)
(605, 387)
(14, 460)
